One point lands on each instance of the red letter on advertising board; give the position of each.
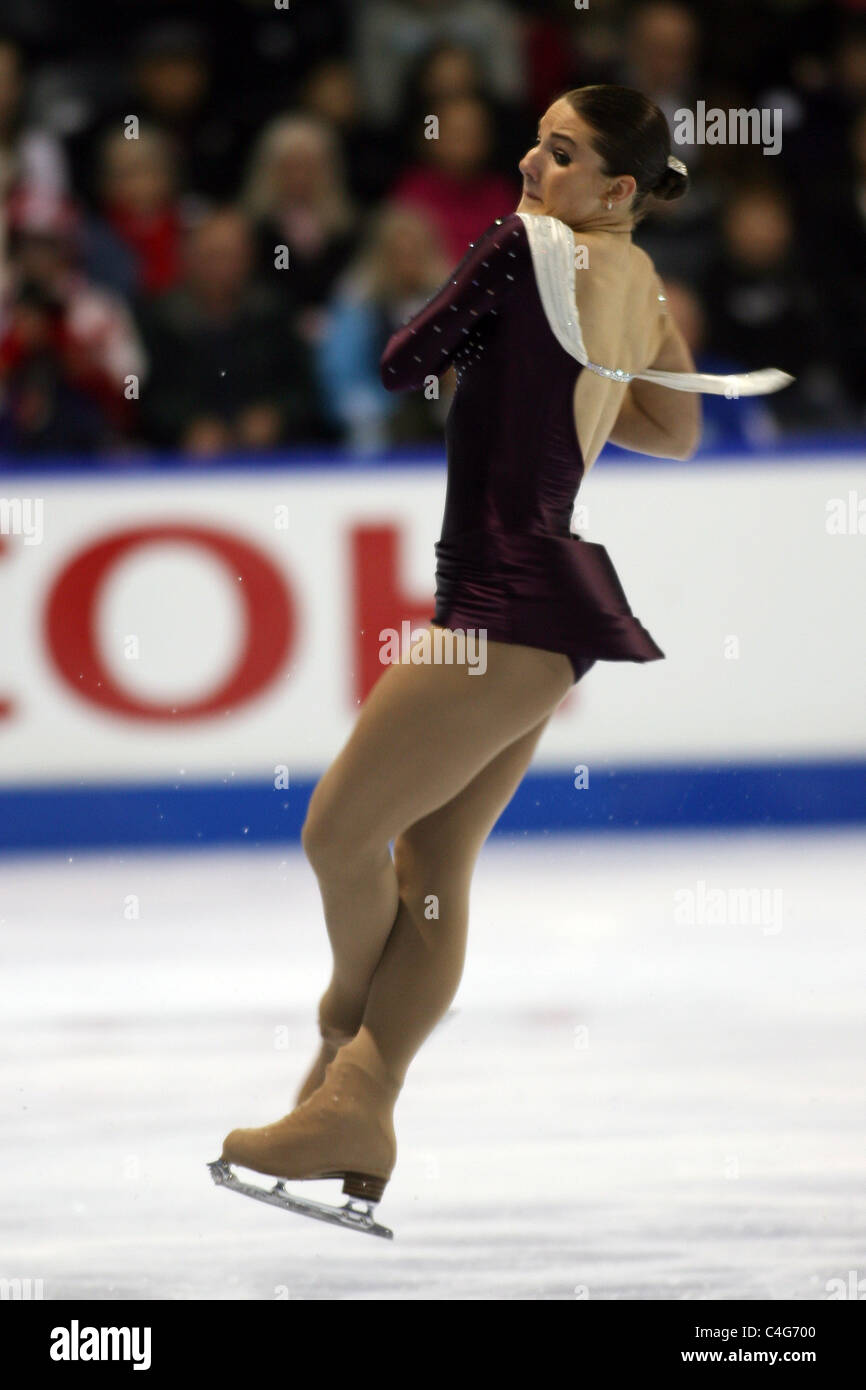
(71, 629)
(380, 603)
(379, 600)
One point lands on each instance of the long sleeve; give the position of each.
(481, 283)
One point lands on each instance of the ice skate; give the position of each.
(343, 1130)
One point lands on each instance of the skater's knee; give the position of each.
(320, 838)
(333, 840)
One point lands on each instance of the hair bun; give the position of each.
(673, 182)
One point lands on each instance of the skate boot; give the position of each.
(345, 1129)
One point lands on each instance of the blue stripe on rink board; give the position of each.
(251, 813)
(793, 449)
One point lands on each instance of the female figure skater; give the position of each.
(557, 326)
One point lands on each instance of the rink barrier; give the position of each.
(802, 448)
(664, 783)
(757, 796)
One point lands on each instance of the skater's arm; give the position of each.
(656, 420)
(482, 281)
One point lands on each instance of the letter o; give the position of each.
(71, 635)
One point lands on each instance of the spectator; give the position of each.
(330, 94)
(453, 185)
(400, 266)
(70, 357)
(389, 35)
(139, 206)
(661, 58)
(29, 158)
(171, 88)
(298, 201)
(767, 312)
(726, 423)
(832, 90)
(441, 74)
(835, 228)
(561, 50)
(227, 371)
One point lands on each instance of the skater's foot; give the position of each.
(344, 1129)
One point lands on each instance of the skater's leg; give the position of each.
(427, 732)
(345, 1126)
(424, 733)
(422, 963)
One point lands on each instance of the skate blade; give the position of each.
(355, 1215)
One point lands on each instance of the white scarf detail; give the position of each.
(553, 248)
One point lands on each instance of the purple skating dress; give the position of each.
(507, 561)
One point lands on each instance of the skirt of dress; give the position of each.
(560, 593)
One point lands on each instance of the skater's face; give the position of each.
(562, 175)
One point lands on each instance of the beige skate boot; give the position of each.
(345, 1129)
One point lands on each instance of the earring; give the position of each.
(609, 206)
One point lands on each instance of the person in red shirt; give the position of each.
(137, 179)
(71, 361)
(452, 183)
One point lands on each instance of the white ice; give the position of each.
(619, 1105)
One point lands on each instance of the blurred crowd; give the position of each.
(212, 221)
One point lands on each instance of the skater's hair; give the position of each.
(631, 135)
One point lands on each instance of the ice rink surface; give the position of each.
(622, 1104)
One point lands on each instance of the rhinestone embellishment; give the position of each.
(614, 373)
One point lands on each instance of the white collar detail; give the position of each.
(553, 247)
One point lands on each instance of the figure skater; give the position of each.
(557, 326)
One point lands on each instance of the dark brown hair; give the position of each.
(630, 134)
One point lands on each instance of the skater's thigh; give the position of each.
(451, 837)
(426, 730)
